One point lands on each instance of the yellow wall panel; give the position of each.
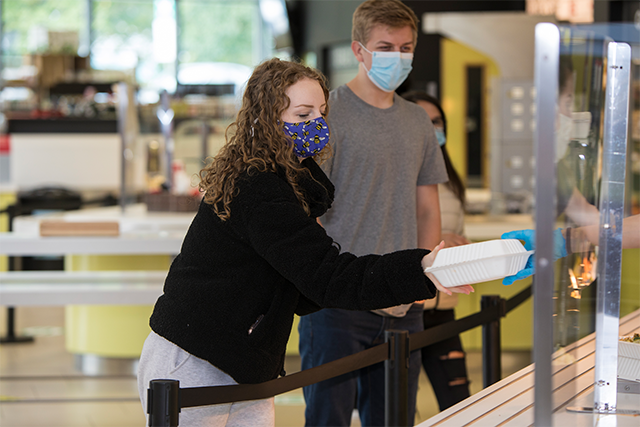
(455, 59)
(516, 329)
(630, 282)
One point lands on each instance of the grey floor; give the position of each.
(41, 386)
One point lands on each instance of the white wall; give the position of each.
(507, 37)
(75, 161)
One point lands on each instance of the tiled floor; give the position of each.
(39, 385)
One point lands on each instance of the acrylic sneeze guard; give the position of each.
(580, 143)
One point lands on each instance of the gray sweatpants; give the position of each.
(161, 359)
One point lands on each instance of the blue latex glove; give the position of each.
(529, 238)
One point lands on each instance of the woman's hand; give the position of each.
(452, 239)
(427, 262)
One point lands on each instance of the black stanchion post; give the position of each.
(163, 405)
(15, 263)
(396, 379)
(491, 347)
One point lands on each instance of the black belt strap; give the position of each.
(451, 329)
(200, 396)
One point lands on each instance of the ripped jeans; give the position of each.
(444, 362)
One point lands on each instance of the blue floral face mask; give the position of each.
(309, 137)
(389, 69)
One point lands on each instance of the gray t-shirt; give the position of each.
(379, 158)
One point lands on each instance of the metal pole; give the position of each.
(612, 191)
(616, 116)
(166, 115)
(15, 263)
(547, 60)
(84, 49)
(178, 26)
(204, 148)
(123, 113)
(1, 43)
(11, 336)
(396, 379)
(11, 327)
(163, 404)
(491, 365)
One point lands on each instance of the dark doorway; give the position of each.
(475, 126)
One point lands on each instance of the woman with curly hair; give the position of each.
(255, 254)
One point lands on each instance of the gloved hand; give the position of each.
(529, 238)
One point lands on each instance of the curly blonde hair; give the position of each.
(256, 141)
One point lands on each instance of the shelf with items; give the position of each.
(183, 130)
(53, 86)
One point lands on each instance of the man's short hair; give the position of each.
(391, 13)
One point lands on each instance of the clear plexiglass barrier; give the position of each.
(582, 83)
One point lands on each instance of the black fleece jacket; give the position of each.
(231, 294)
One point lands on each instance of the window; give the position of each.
(208, 41)
(38, 26)
(154, 41)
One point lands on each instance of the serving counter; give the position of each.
(510, 401)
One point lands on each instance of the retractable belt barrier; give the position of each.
(165, 398)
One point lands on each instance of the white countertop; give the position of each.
(141, 232)
(135, 219)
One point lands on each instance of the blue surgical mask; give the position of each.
(309, 137)
(442, 138)
(388, 69)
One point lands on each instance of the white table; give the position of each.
(15, 244)
(59, 288)
(88, 295)
(141, 232)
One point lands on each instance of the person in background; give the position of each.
(386, 168)
(444, 362)
(581, 237)
(254, 254)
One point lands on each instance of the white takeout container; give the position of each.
(479, 262)
(629, 361)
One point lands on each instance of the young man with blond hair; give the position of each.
(386, 167)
